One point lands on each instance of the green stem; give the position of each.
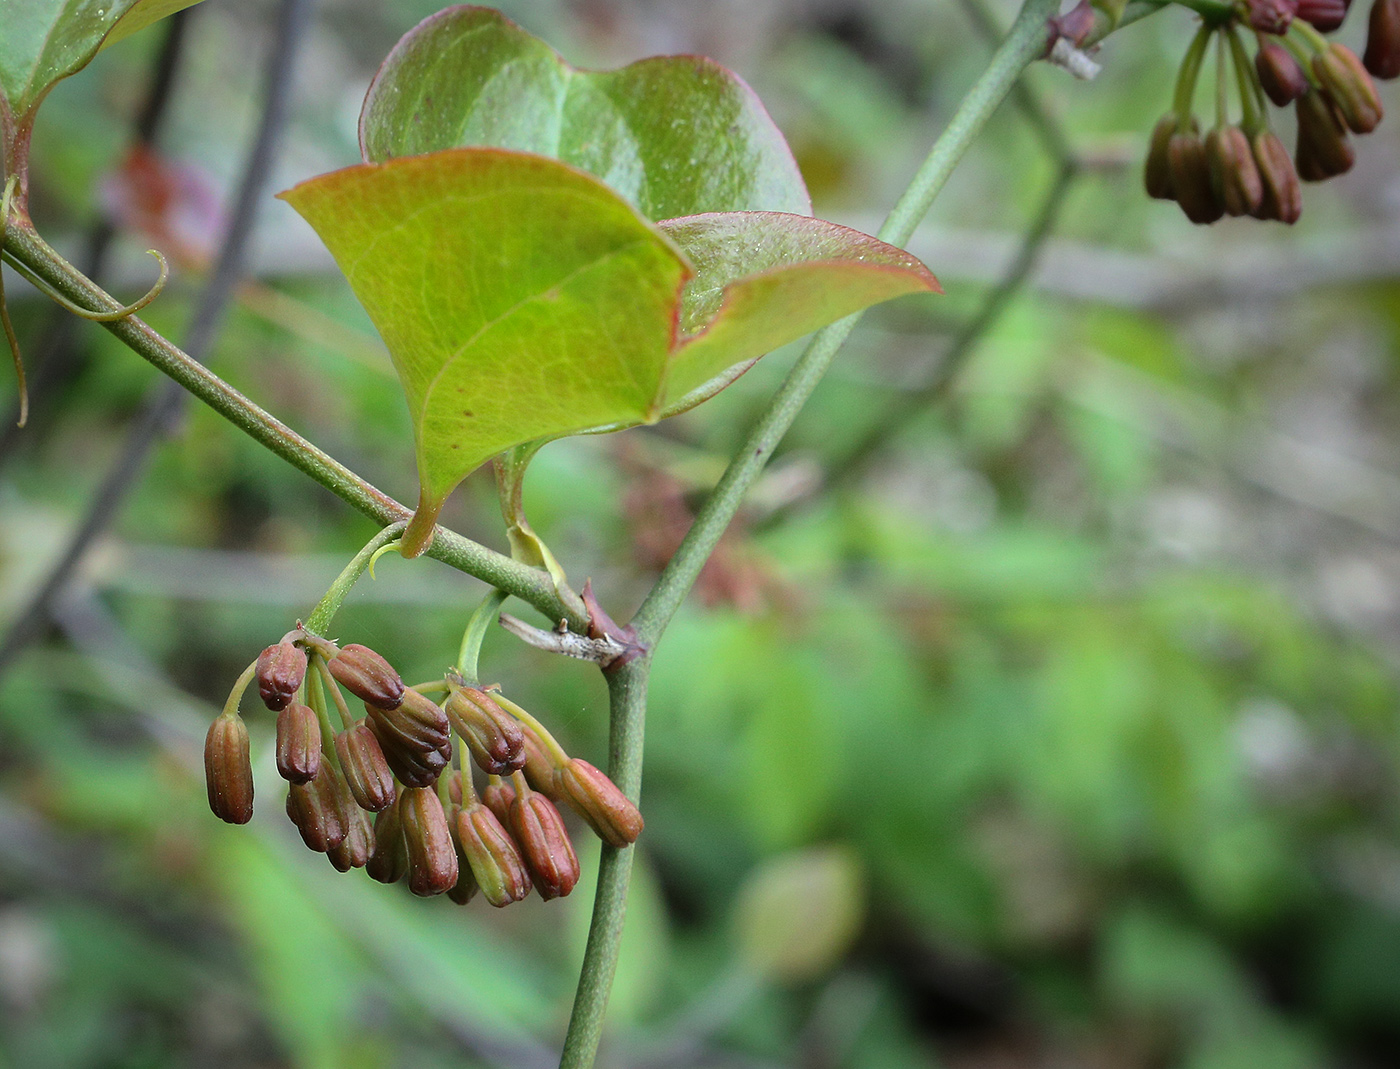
(1189, 75)
(1222, 96)
(477, 627)
(531, 585)
(1251, 92)
(235, 696)
(316, 699)
(333, 689)
(320, 619)
(1024, 43)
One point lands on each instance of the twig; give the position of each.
(56, 360)
(168, 401)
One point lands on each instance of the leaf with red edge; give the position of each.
(521, 298)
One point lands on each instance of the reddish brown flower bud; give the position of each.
(432, 857)
(316, 811)
(367, 675)
(281, 668)
(1325, 15)
(539, 831)
(388, 863)
(1272, 16)
(366, 770)
(1282, 195)
(355, 850)
(298, 743)
(492, 855)
(594, 797)
(1324, 150)
(1191, 182)
(1157, 172)
(492, 735)
(228, 773)
(412, 766)
(1233, 172)
(1350, 86)
(1280, 73)
(1383, 40)
(498, 797)
(416, 722)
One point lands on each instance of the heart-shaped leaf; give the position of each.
(44, 41)
(675, 135)
(522, 298)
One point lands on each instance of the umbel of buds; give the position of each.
(372, 794)
(1241, 168)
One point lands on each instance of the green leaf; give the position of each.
(521, 298)
(44, 41)
(675, 135)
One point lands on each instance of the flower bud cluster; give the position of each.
(1242, 167)
(383, 794)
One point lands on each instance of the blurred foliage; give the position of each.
(1076, 707)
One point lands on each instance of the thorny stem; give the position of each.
(1024, 43)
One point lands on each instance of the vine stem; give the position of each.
(531, 585)
(1024, 43)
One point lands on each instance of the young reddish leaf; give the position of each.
(675, 135)
(764, 279)
(44, 41)
(521, 298)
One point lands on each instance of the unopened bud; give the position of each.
(366, 770)
(367, 675)
(498, 797)
(1282, 195)
(412, 766)
(355, 850)
(1383, 40)
(492, 855)
(298, 743)
(281, 668)
(316, 811)
(596, 798)
(1157, 172)
(1280, 73)
(1272, 16)
(1350, 86)
(388, 863)
(1233, 171)
(416, 721)
(228, 772)
(1191, 177)
(432, 857)
(492, 735)
(1324, 15)
(1324, 150)
(544, 843)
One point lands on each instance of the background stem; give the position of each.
(1024, 43)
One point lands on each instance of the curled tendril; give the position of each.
(5, 311)
(99, 317)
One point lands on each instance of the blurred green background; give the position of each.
(1061, 732)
